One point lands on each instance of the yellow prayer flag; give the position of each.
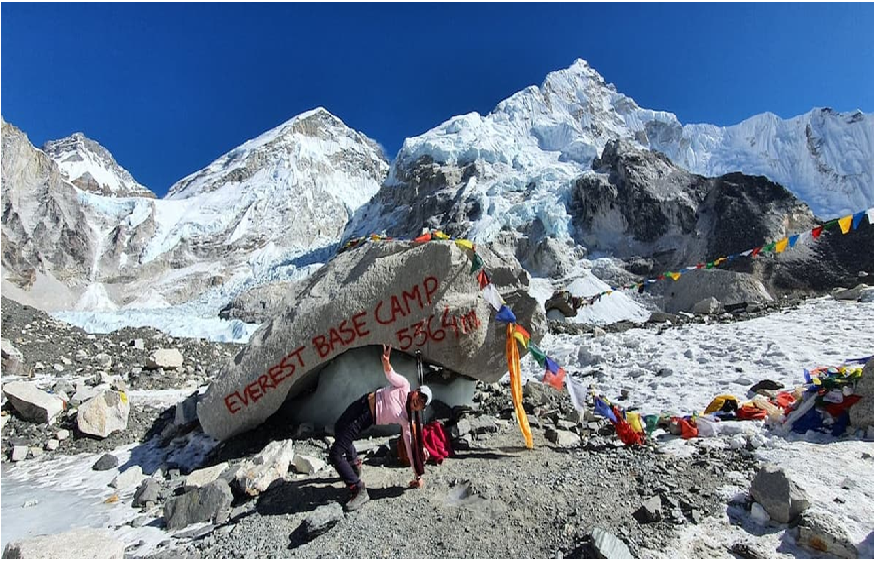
(674, 276)
(464, 244)
(781, 245)
(845, 223)
(522, 340)
(634, 420)
(440, 235)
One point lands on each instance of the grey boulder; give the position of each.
(198, 505)
(818, 531)
(104, 414)
(861, 412)
(322, 519)
(783, 499)
(12, 359)
(33, 404)
(411, 296)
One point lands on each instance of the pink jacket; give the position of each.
(391, 404)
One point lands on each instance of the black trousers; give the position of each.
(351, 423)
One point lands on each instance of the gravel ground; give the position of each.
(493, 499)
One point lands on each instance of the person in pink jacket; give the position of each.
(393, 404)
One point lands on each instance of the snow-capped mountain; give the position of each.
(477, 174)
(267, 210)
(275, 207)
(91, 167)
(823, 157)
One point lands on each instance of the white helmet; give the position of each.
(426, 391)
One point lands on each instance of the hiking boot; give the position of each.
(358, 499)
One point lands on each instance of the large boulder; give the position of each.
(202, 504)
(170, 359)
(819, 531)
(81, 543)
(861, 412)
(32, 403)
(693, 287)
(411, 296)
(104, 414)
(782, 498)
(271, 464)
(12, 359)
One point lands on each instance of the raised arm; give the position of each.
(394, 378)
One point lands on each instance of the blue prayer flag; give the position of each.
(505, 315)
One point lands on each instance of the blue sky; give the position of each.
(167, 88)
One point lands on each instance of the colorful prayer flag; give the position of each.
(491, 295)
(603, 409)
(791, 241)
(552, 366)
(858, 218)
(577, 393)
(505, 315)
(781, 245)
(483, 279)
(870, 214)
(516, 387)
(440, 235)
(755, 251)
(521, 335)
(845, 223)
(831, 224)
(556, 380)
(476, 263)
(464, 244)
(423, 238)
(674, 276)
(816, 231)
(539, 355)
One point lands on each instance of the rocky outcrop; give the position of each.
(413, 297)
(638, 204)
(42, 218)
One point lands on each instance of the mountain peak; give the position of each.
(91, 167)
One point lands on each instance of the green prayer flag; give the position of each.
(709, 265)
(831, 224)
(539, 355)
(770, 247)
(476, 263)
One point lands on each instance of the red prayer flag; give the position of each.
(556, 380)
(755, 251)
(483, 279)
(423, 238)
(817, 231)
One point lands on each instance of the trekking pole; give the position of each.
(419, 366)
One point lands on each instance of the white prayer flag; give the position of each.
(490, 293)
